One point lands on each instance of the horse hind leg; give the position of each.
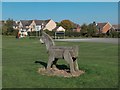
(75, 64)
(69, 59)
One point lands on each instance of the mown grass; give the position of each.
(99, 60)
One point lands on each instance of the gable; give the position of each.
(50, 25)
(60, 28)
(106, 28)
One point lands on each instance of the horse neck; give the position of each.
(49, 42)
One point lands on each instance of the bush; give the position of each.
(51, 33)
(34, 33)
(15, 32)
(102, 35)
(0, 32)
(118, 34)
(114, 34)
(12, 32)
(72, 34)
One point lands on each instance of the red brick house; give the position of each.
(77, 28)
(104, 27)
(116, 27)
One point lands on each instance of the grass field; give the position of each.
(99, 60)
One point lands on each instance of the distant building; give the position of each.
(59, 32)
(116, 27)
(49, 25)
(77, 28)
(59, 29)
(104, 27)
(15, 25)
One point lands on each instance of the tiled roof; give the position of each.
(56, 27)
(39, 22)
(26, 22)
(116, 26)
(76, 25)
(46, 21)
(101, 25)
(15, 24)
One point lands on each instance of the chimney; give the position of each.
(95, 23)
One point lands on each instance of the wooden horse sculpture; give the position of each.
(70, 54)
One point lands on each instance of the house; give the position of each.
(49, 24)
(116, 27)
(76, 28)
(23, 32)
(37, 25)
(59, 32)
(25, 26)
(104, 27)
(15, 25)
(59, 29)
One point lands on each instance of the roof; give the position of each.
(101, 25)
(26, 22)
(46, 21)
(39, 22)
(76, 25)
(15, 24)
(116, 26)
(56, 28)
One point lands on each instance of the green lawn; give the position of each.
(99, 60)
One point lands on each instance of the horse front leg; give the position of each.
(54, 63)
(50, 61)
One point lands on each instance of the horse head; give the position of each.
(42, 39)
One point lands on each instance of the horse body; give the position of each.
(59, 51)
(70, 54)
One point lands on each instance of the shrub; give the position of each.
(72, 34)
(114, 34)
(34, 33)
(51, 33)
(118, 34)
